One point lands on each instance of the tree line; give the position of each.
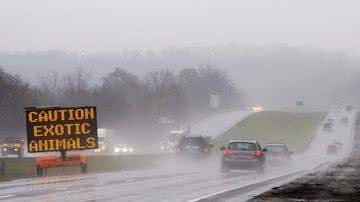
(123, 99)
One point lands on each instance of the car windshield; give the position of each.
(192, 141)
(242, 146)
(276, 148)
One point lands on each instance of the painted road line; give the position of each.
(61, 189)
(267, 180)
(261, 180)
(7, 196)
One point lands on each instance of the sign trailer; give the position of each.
(62, 129)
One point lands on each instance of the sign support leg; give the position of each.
(63, 155)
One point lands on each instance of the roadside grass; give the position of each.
(18, 168)
(25, 167)
(296, 130)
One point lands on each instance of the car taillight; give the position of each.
(206, 150)
(256, 154)
(228, 152)
(178, 150)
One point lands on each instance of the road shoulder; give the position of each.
(340, 182)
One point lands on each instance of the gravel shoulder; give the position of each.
(338, 183)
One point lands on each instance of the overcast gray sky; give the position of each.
(114, 25)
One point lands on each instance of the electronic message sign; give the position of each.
(61, 129)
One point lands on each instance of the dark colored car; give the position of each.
(348, 108)
(277, 153)
(327, 127)
(245, 155)
(193, 147)
(334, 148)
(12, 146)
(345, 121)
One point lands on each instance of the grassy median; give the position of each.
(294, 129)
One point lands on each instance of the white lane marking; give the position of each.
(61, 189)
(300, 172)
(238, 187)
(7, 196)
(130, 180)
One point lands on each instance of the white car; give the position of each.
(123, 148)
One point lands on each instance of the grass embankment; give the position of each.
(25, 167)
(296, 130)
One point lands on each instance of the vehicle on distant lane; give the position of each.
(334, 148)
(277, 153)
(194, 146)
(345, 121)
(328, 127)
(169, 142)
(12, 146)
(348, 108)
(123, 149)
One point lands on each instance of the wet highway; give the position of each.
(173, 181)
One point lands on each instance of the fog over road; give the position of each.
(217, 124)
(174, 181)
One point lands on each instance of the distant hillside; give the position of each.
(274, 76)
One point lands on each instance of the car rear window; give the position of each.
(192, 141)
(242, 146)
(276, 148)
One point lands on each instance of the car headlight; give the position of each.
(4, 149)
(162, 147)
(131, 149)
(125, 150)
(117, 150)
(15, 149)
